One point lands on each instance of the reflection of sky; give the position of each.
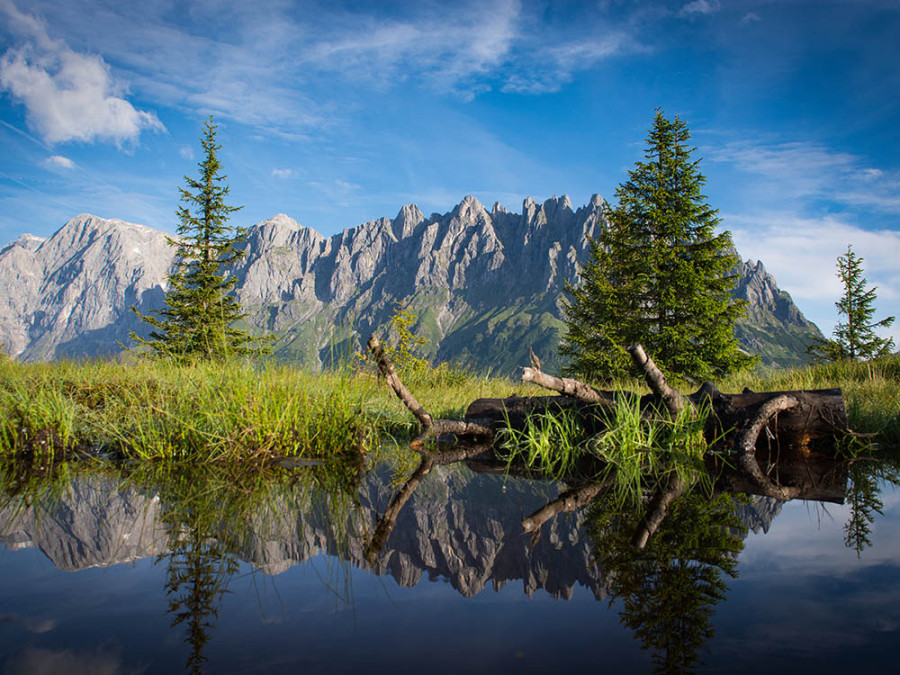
(802, 602)
(803, 596)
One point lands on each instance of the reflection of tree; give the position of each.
(670, 588)
(864, 501)
(197, 574)
(208, 511)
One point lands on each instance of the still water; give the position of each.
(326, 569)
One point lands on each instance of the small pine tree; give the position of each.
(197, 322)
(854, 339)
(658, 274)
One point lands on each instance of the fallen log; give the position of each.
(738, 425)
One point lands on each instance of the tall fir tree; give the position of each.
(197, 322)
(854, 339)
(658, 274)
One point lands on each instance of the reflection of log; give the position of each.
(386, 523)
(657, 510)
(568, 501)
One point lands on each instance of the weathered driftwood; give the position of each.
(739, 425)
(430, 426)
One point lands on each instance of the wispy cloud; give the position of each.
(282, 173)
(338, 192)
(58, 162)
(701, 7)
(67, 95)
(449, 49)
(804, 170)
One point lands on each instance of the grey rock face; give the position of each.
(774, 328)
(487, 285)
(71, 294)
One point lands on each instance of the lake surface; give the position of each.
(150, 570)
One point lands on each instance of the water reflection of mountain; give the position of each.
(459, 526)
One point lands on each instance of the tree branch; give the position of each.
(563, 385)
(656, 380)
(745, 446)
(386, 368)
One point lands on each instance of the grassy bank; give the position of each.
(206, 413)
(151, 410)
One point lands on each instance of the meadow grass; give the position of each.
(213, 412)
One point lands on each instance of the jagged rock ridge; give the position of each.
(487, 285)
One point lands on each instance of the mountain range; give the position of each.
(486, 286)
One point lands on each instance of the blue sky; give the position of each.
(339, 112)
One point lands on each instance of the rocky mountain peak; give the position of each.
(486, 285)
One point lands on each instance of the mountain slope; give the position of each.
(486, 285)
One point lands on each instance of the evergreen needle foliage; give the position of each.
(855, 338)
(658, 274)
(197, 322)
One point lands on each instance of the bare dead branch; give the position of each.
(563, 385)
(386, 368)
(656, 380)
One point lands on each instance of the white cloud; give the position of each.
(282, 173)
(801, 253)
(803, 169)
(701, 7)
(186, 152)
(68, 96)
(58, 162)
(750, 17)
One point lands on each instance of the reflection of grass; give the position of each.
(636, 451)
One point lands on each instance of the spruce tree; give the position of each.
(854, 339)
(658, 274)
(197, 322)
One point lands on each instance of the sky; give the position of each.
(340, 112)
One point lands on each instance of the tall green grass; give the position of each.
(209, 412)
(636, 452)
(641, 453)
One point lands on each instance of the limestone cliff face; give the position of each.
(774, 327)
(486, 285)
(71, 294)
